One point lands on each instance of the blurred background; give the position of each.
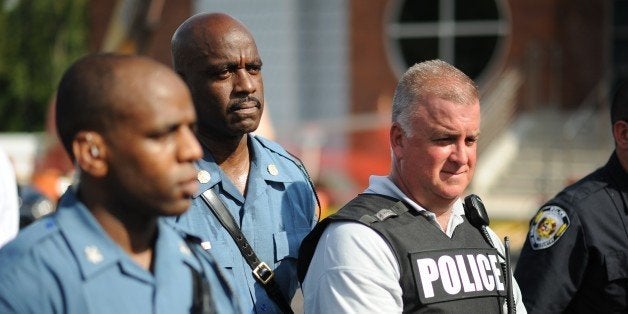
(545, 69)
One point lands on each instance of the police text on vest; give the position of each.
(457, 274)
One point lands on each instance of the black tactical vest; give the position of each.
(461, 274)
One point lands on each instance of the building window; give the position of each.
(467, 34)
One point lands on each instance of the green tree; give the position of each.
(38, 41)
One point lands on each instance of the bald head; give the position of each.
(97, 90)
(202, 33)
(217, 58)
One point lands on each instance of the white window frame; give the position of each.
(445, 30)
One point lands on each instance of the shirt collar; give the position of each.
(209, 174)
(95, 251)
(384, 186)
(270, 165)
(619, 174)
(175, 249)
(92, 247)
(263, 165)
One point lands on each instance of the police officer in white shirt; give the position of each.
(404, 244)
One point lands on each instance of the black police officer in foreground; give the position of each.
(575, 259)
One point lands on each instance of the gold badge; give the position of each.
(203, 176)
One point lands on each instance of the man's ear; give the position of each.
(397, 140)
(90, 152)
(620, 133)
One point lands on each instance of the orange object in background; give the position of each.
(51, 183)
(53, 169)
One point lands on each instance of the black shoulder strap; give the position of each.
(201, 292)
(308, 247)
(358, 210)
(262, 273)
(307, 176)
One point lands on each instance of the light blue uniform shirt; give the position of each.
(66, 263)
(277, 213)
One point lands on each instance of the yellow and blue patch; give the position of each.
(549, 224)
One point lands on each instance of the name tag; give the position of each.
(455, 274)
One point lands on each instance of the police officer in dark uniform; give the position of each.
(575, 258)
(405, 244)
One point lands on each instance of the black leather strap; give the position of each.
(301, 167)
(262, 273)
(201, 294)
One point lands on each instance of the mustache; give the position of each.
(236, 104)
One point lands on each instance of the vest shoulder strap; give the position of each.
(365, 208)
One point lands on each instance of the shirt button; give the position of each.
(272, 169)
(203, 176)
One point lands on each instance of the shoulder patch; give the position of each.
(385, 214)
(548, 225)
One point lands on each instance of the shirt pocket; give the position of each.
(221, 253)
(287, 243)
(616, 265)
(617, 276)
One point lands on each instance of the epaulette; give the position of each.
(384, 213)
(30, 236)
(276, 148)
(586, 186)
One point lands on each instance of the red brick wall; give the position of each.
(173, 14)
(372, 86)
(582, 27)
(559, 45)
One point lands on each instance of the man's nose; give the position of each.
(244, 82)
(189, 147)
(460, 153)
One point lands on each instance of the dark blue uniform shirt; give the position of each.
(581, 268)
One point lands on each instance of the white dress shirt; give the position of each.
(353, 269)
(9, 210)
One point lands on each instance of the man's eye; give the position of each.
(254, 69)
(159, 135)
(218, 72)
(222, 73)
(441, 142)
(164, 133)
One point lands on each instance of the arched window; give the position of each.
(465, 33)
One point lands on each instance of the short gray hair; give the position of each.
(430, 78)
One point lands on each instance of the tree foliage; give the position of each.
(38, 41)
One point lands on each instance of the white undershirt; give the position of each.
(353, 269)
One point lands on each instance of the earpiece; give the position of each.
(93, 150)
